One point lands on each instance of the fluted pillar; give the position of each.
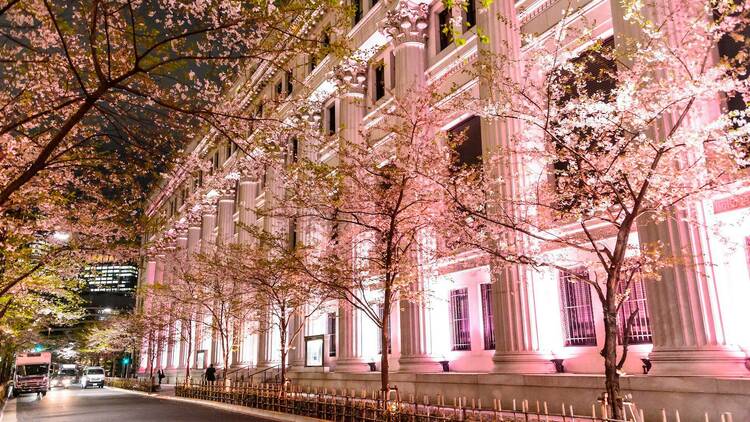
(265, 341)
(687, 319)
(350, 351)
(246, 208)
(297, 353)
(686, 315)
(208, 221)
(182, 243)
(225, 220)
(517, 345)
(406, 25)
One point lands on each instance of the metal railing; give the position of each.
(376, 406)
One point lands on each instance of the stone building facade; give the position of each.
(508, 333)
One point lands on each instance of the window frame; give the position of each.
(577, 331)
(460, 318)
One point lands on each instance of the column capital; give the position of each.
(351, 76)
(407, 22)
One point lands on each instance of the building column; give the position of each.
(246, 217)
(350, 351)
(208, 221)
(225, 229)
(352, 79)
(265, 342)
(687, 323)
(159, 278)
(517, 346)
(406, 25)
(246, 208)
(182, 244)
(297, 354)
(193, 247)
(687, 320)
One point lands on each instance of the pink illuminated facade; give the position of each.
(502, 331)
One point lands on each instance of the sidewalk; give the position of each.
(167, 393)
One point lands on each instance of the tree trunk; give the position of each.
(612, 378)
(284, 351)
(189, 353)
(384, 338)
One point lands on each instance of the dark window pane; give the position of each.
(332, 334)
(459, 308)
(471, 14)
(444, 19)
(488, 313)
(469, 150)
(379, 81)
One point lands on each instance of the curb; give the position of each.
(235, 408)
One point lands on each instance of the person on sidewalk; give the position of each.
(211, 373)
(161, 375)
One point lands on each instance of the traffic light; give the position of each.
(126, 360)
(38, 347)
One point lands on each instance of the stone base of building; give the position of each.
(716, 362)
(523, 363)
(352, 365)
(692, 396)
(419, 365)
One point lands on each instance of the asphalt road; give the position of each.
(105, 405)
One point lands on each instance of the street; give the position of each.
(98, 405)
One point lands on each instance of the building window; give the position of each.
(228, 150)
(331, 119)
(313, 63)
(640, 331)
(332, 334)
(379, 71)
(444, 29)
(279, 89)
(215, 162)
(594, 75)
(292, 233)
(200, 178)
(733, 50)
(488, 313)
(289, 82)
(577, 312)
(459, 307)
(293, 150)
(390, 330)
(468, 136)
(470, 19)
(357, 6)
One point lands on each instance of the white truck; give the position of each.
(32, 373)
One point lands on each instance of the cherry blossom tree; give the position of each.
(210, 294)
(283, 292)
(375, 212)
(98, 96)
(608, 140)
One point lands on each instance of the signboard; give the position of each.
(200, 359)
(314, 350)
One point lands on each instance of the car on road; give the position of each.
(66, 375)
(92, 376)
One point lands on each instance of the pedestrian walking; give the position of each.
(211, 373)
(161, 375)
